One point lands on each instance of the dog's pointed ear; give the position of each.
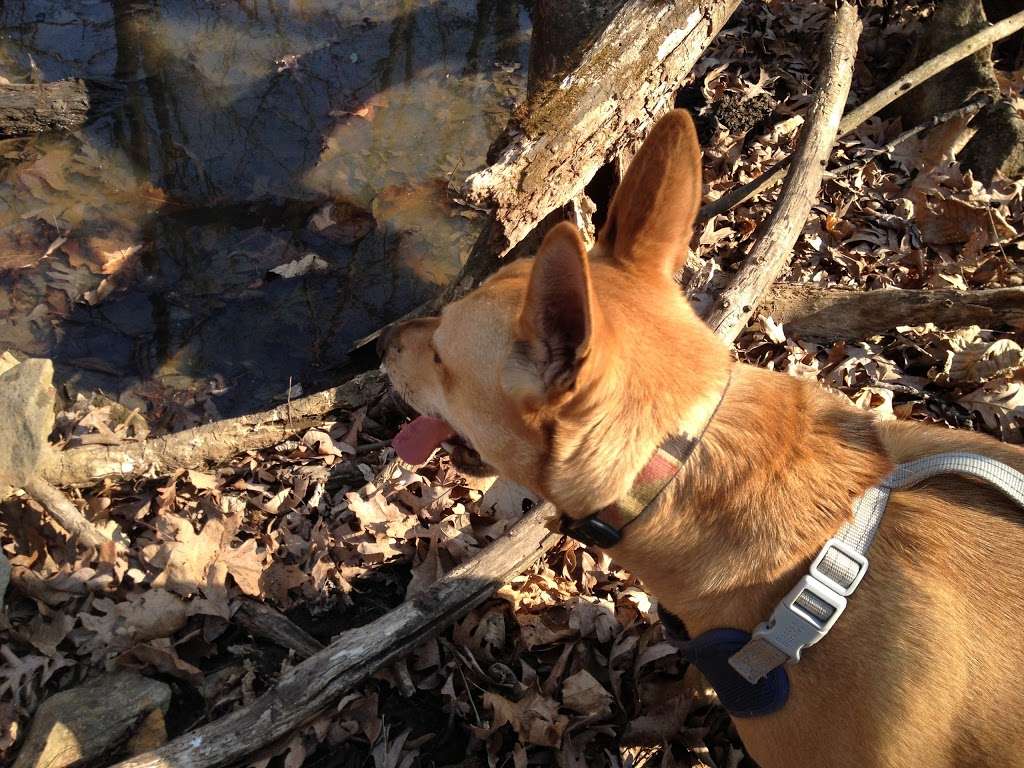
(556, 322)
(651, 217)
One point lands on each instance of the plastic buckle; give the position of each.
(591, 531)
(792, 628)
(848, 552)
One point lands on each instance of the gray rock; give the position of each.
(88, 722)
(26, 419)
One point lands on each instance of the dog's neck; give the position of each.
(773, 478)
(629, 402)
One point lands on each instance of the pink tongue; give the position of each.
(418, 439)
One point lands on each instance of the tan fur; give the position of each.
(925, 666)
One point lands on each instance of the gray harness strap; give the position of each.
(811, 608)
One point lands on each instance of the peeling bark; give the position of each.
(606, 105)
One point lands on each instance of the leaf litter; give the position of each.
(567, 663)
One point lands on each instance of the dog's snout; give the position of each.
(387, 335)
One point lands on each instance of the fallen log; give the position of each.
(872, 107)
(772, 249)
(213, 442)
(607, 104)
(315, 684)
(602, 108)
(27, 108)
(563, 30)
(825, 315)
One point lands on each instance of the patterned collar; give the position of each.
(604, 528)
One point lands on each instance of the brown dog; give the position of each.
(566, 372)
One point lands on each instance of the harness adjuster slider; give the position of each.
(803, 617)
(851, 555)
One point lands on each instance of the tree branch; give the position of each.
(772, 249)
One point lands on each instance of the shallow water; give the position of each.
(316, 138)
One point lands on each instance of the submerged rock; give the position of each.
(26, 419)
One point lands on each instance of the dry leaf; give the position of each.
(162, 657)
(949, 221)
(155, 613)
(582, 693)
(535, 717)
(189, 555)
(1001, 406)
(982, 361)
(325, 445)
(308, 263)
(246, 567)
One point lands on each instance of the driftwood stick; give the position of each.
(315, 684)
(64, 512)
(772, 249)
(872, 107)
(211, 442)
(813, 313)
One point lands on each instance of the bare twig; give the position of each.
(771, 251)
(969, 109)
(872, 107)
(64, 512)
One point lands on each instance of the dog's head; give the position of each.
(563, 372)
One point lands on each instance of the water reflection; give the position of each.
(233, 138)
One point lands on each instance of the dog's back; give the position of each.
(924, 668)
(971, 535)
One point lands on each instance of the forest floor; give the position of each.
(567, 664)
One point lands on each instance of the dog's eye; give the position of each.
(437, 358)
